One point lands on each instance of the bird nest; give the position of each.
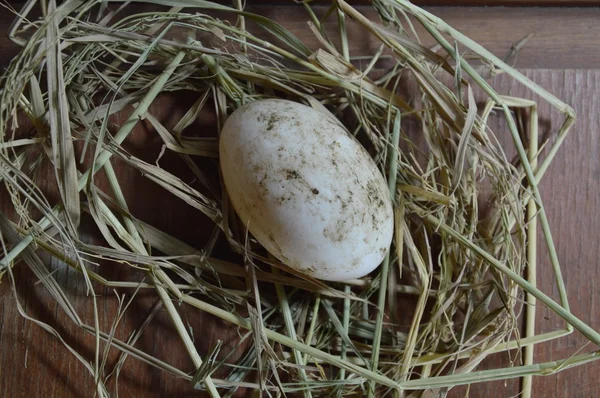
(460, 269)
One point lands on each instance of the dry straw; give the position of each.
(461, 268)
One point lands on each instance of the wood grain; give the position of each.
(563, 38)
(570, 193)
(517, 3)
(538, 3)
(34, 364)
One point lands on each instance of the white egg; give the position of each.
(306, 189)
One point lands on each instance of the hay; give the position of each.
(462, 268)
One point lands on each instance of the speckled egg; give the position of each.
(306, 189)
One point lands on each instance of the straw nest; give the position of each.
(454, 284)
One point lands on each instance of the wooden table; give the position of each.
(563, 56)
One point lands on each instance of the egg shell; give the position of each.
(306, 189)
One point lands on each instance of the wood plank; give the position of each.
(518, 3)
(564, 38)
(462, 3)
(571, 196)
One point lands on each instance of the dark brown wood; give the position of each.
(518, 3)
(563, 38)
(462, 3)
(35, 364)
(570, 194)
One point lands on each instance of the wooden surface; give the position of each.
(34, 364)
(517, 3)
(570, 3)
